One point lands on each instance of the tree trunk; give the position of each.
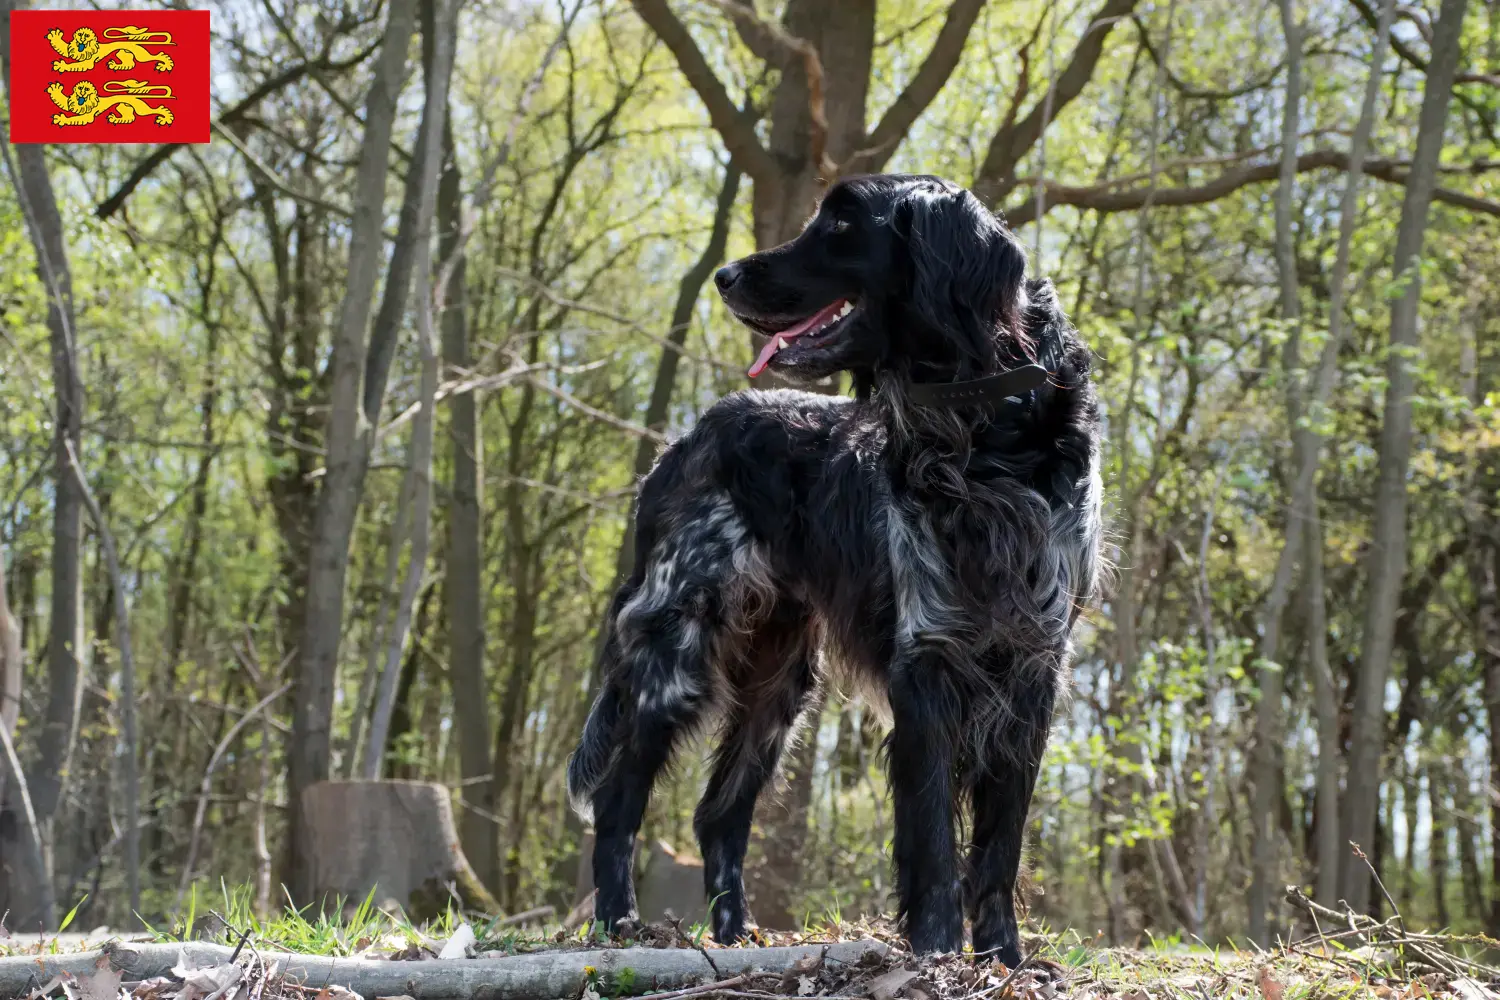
(782, 822)
(439, 28)
(1326, 711)
(187, 566)
(1437, 808)
(294, 424)
(1386, 564)
(10, 676)
(521, 556)
(402, 720)
(1484, 575)
(1466, 827)
(463, 591)
(1270, 677)
(1133, 497)
(127, 685)
(59, 728)
(350, 430)
(1411, 790)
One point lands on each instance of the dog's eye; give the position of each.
(840, 225)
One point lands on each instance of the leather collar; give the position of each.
(980, 391)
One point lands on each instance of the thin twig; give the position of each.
(15, 766)
(627, 426)
(208, 773)
(1379, 884)
(1004, 984)
(700, 990)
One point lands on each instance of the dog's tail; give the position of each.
(596, 751)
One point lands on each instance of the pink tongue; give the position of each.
(775, 343)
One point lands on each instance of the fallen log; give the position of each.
(556, 975)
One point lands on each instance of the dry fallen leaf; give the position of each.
(887, 986)
(1470, 989)
(152, 989)
(104, 984)
(1269, 987)
(46, 988)
(210, 983)
(805, 986)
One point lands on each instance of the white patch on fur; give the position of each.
(922, 582)
(752, 587)
(583, 806)
(667, 694)
(714, 553)
(1076, 532)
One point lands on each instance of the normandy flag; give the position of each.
(109, 76)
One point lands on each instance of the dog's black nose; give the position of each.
(726, 276)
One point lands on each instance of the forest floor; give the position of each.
(1380, 962)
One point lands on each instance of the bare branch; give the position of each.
(1104, 198)
(942, 60)
(109, 206)
(1417, 60)
(996, 175)
(207, 784)
(609, 418)
(270, 177)
(1188, 90)
(812, 67)
(735, 128)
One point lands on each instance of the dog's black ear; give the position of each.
(966, 267)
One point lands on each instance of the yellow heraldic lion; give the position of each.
(127, 98)
(125, 45)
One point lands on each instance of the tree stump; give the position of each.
(396, 837)
(665, 881)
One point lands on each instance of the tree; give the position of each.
(1270, 676)
(33, 185)
(1386, 561)
(439, 25)
(358, 367)
(464, 588)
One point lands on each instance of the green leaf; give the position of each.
(71, 914)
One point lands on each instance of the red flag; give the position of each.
(109, 76)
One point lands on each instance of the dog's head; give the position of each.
(895, 272)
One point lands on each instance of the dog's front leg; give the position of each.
(1001, 788)
(922, 751)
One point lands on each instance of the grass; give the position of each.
(1165, 969)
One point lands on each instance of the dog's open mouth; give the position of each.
(816, 326)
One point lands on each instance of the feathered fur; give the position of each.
(940, 556)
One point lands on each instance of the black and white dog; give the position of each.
(935, 537)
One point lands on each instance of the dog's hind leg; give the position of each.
(765, 714)
(1001, 786)
(922, 749)
(663, 702)
(668, 636)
